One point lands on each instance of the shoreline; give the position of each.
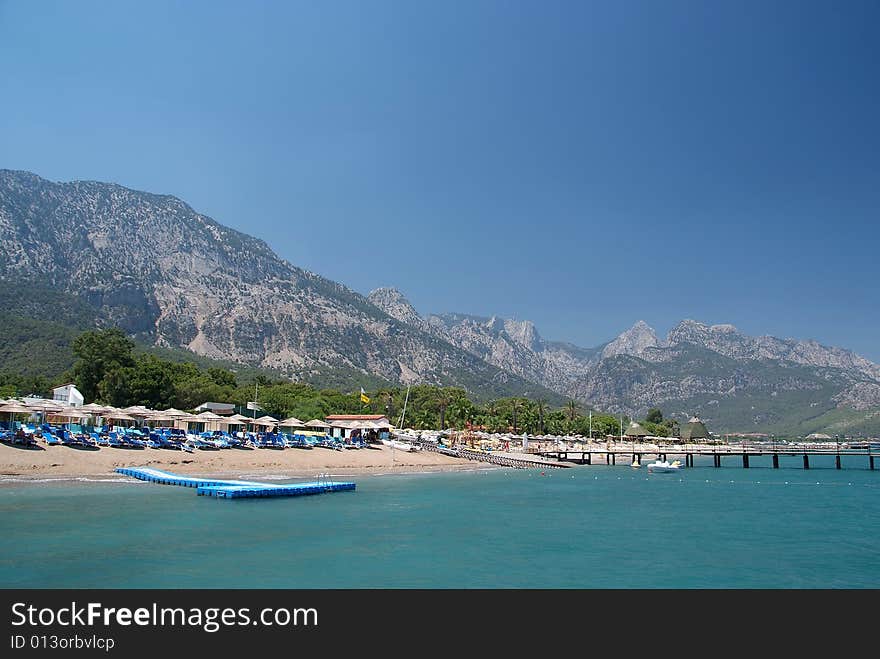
(20, 465)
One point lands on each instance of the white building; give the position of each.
(68, 394)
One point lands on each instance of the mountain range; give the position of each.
(175, 278)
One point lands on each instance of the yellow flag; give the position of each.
(364, 397)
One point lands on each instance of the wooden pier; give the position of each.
(502, 460)
(609, 456)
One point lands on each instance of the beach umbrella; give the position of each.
(45, 407)
(316, 423)
(71, 413)
(291, 421)
(96, 409)
(118, 415)
(138, 411)
(172, 413)
(265, 421)
(209, 418)
(15, 408)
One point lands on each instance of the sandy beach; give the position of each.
(63, 461)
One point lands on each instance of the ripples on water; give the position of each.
(585, 527)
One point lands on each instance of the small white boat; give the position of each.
(401, 446)
(664, 466)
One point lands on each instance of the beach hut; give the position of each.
(636, 431)
(694, 429)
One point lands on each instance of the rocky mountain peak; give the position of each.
(495, 324)
(688, 331)
(395, 304)
(524, 333)
(633, 341)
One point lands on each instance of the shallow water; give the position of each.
(584, 527)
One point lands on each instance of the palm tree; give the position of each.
(515, 406)
(443, 400)
(541, 407)
(461, 411)
(571, 409)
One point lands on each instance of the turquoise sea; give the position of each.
(583, 527)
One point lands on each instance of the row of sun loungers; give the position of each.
(170, 438)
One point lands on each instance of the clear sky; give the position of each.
(580, 164)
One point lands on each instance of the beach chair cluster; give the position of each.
(133, 438)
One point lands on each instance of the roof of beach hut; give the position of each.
(636, 430)
(695, 429)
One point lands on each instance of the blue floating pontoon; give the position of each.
(232, 489)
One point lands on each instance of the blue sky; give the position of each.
(580, 164)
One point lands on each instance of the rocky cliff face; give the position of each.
(154, 266)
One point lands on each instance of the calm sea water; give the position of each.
(584, 527)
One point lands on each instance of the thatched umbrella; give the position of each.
(95, 409)
(209, 418)
(635, 429)
(118, 415)
(266, 420)
(695, 429)
(139, 411)
(292, 422)
(45, 407)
